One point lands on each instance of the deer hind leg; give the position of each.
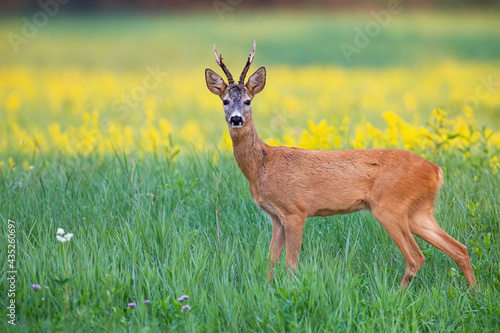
(423, 224)
(397, 227)
(293, 225)
(276, 246)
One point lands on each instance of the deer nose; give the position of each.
(236, 121)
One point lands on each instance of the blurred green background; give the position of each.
(412, 57)
(296, 38)
(123, 43)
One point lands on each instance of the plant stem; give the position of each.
(66, 300)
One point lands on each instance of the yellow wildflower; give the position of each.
(494, 164)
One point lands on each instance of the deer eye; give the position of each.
(247, 102)
(225, 102)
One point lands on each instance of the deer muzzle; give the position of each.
(236, 121)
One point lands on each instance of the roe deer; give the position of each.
(292, 184)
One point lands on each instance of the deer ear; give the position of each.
(214, 82)
(257, 81)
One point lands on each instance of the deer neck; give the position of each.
(248, 149)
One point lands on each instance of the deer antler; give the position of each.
(247, 66)
(223, 66)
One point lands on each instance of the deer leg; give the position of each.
(277, 245)
(293, 225)
(425, 226)
(399, 231)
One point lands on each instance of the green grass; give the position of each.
(147, 229)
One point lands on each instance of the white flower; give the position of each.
(61, 239)
(31, 167)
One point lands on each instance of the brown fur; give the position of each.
(292, 184)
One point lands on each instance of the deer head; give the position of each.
(236, 98)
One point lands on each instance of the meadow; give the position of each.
(109, 132)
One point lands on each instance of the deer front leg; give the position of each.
(277, 245)
(293, 226)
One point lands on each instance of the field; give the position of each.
(110, 133)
